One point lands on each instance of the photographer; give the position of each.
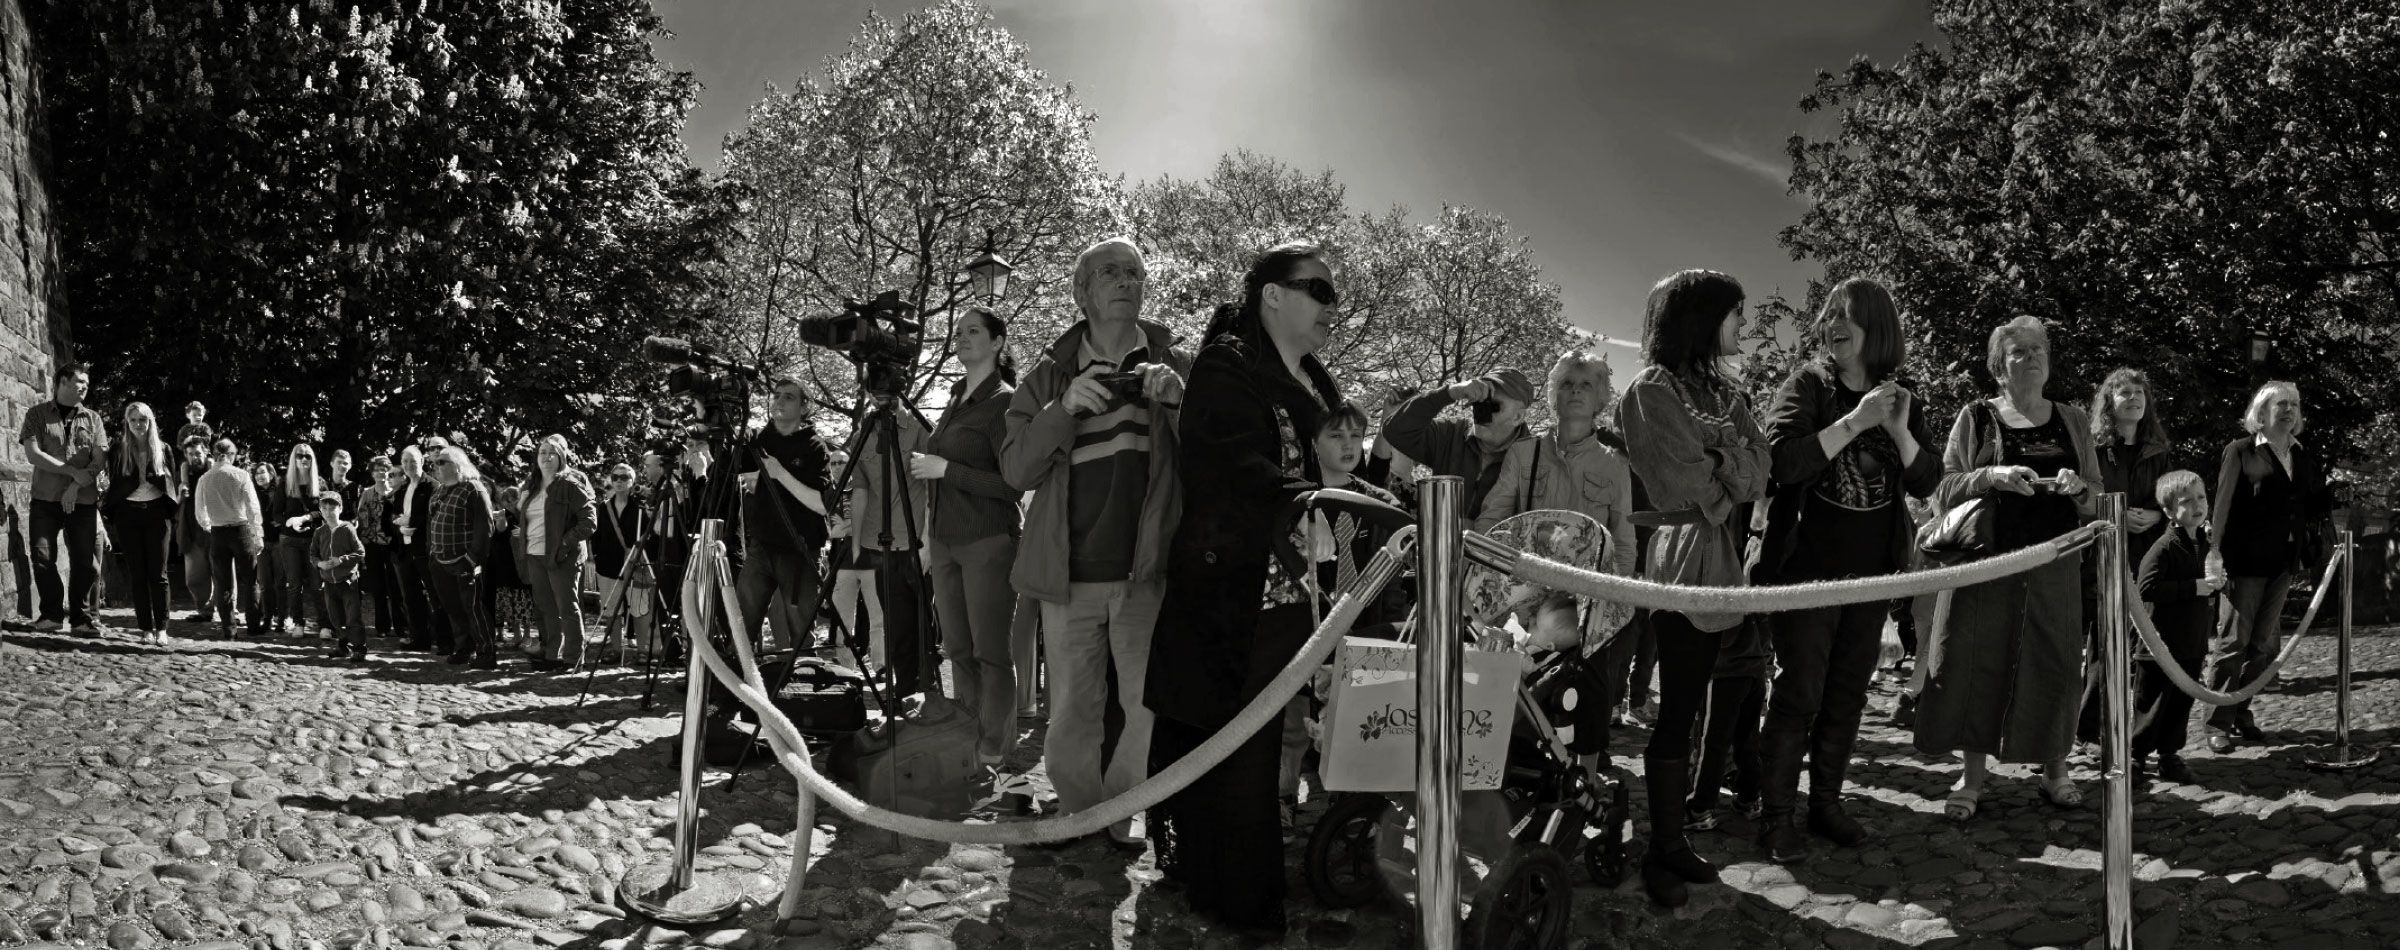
(1092, 433)
(783, 473)
(1451, 447)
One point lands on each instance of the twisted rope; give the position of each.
(2184, 682)
(1754, 600)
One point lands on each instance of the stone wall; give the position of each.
(33, 314)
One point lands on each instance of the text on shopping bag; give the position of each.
(1371, 720)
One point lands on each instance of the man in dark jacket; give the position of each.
(1454, 447)
(1102, 467)
(189, 538)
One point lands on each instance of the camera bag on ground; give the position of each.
(823, 699)
(920, 760)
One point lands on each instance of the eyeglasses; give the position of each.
(1319, 289)
(620, 477)
(438, 463)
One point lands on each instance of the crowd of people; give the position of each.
(1121, 496)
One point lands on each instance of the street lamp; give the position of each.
(2260, 345)
(990, 274)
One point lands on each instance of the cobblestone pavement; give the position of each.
(262, 797)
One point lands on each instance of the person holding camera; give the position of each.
(2005, 662)
(783, 472)
(1451, 447)
(1092, 433)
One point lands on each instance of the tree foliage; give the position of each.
(2157, 181)
(929, 137)
(373, 219)
(1423, 303)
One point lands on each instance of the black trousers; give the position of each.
(71, 602)
(2162, 714)
(457, 594)
(1687, 659)
(426, 626)
(381, 587)
(1222, 836)
(233, 552)
(143, 529)
(1825, 661)
(1731, 738)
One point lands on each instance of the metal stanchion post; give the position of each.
(1441, 658)
(671, 891)
(2341, 757)
(2117, 683)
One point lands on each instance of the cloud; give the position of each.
(1771, 170)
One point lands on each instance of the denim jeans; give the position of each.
(977, 605)
(233, 554)
(2246, 647)
(73, 602)
(766, 573)
(558, 599)
(1100, 624)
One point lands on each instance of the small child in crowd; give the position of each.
(195, 423)
(337, 553)
(2180, 588)
(1344, 545)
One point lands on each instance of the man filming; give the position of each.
(1092, 433)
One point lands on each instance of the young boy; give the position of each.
(195, 423)
(1343, 545)
(2180, 588)
(338, 555)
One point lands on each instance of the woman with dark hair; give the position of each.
(972, 542)
(1702, 461)
(1849, 449)
(264, 479)
(1231, 620)
(2133, 449)
(2271, 503)
(2005, 658)
(141, 501)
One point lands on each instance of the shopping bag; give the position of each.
(1370, 726)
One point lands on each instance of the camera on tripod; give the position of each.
(709, 395)
(882, 336)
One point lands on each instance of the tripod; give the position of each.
(879, 422)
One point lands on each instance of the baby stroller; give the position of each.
(1559, 810)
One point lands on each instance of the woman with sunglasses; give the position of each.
(621, 516)
(1231, 619)
(141, 501)
(1703, 461)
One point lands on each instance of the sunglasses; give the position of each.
(1319, 289)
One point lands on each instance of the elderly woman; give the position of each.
(458, 532)
(1851, 447)
(2006, 657)
(1698, 451)
(1229, 623)
(2271, 500)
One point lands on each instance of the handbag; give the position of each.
(1967, 530)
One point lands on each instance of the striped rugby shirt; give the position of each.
(1110, 476)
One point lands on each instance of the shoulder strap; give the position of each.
(1533, 477)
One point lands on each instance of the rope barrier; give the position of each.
(2183, 681)
(791, 749)
(1757, 600)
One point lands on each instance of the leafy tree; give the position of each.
(1422, 304)
(369, 220)
(931, 138)
(2155, 180)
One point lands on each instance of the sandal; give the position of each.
(1962, 803)
(2065, 795)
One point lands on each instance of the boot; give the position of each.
(1828, 770)
(1669, 849)
(1779, 790)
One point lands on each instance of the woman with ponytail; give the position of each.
(1230, 620)
(1703, 461)
(972, 542)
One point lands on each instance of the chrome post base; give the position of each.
(649, 890)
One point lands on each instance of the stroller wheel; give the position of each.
(1527, 903)
(1340, 865)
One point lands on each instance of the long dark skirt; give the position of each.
(1221, 838)
(2004, 666)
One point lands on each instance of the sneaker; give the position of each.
(86, 629)
(47, 626)
(1701, 819)
(1904, 712)
(324, 633)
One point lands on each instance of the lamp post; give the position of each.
(2261, 345)
(989, 272)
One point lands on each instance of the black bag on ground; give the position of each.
(820, 697)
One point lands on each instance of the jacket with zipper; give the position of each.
(1037, 455)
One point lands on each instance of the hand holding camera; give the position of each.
(1086, 395)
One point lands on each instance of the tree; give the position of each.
(375, 219)
(1422, 304)
(931, 139)
(2156, 181)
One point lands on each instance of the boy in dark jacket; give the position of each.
(337, 554)
(2180, 589)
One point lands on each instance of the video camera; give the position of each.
(710, 394)
(882, 336)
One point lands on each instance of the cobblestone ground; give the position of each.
(261, 797)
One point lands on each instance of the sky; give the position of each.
(1627, 139)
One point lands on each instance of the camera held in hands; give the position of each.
(1125, 386)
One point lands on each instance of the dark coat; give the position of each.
(1803, 407)
(2267, 519)
(567, 520)
(2134, 470)
(1242, 413)
(2170, 579)
(619, 534)
(971, 502)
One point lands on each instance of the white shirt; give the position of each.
(2283, 454)
(537, 514)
